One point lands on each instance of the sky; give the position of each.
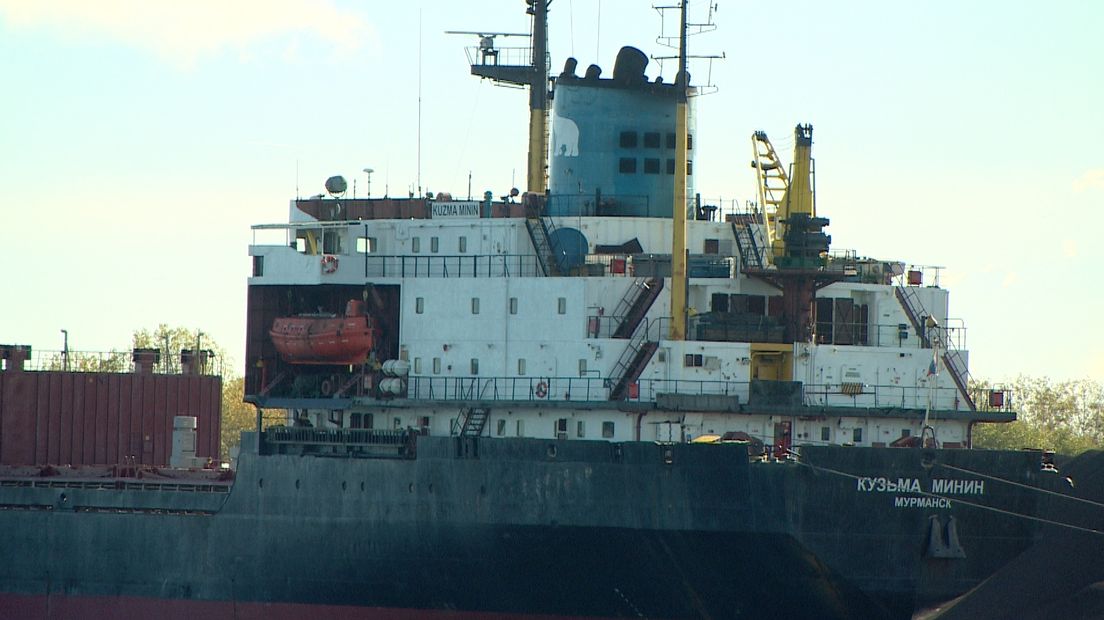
(140, 140)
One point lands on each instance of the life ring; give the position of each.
(542, 390)
(329, 263)
(327, 387)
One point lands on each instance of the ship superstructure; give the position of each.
(552, 316)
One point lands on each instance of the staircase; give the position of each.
(472, 420)
(751, 249)
(634, 305)
(632, 362)
(540, 232)
(953, 358)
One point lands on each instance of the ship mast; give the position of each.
(485, 63)
(678, 233)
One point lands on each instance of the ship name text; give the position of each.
(943, 486)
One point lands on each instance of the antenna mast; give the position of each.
(485, 62)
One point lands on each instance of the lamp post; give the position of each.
(369, 172)
(65, 351)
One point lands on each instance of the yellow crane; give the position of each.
(783, 195)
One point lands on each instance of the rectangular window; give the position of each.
(561, 428)
(651, 139)
(856, 436)
(521, 428)
(651, 165)
(415, 244)
(607, 429)
(463, 244)
(433, 244)
(689, 168)
(300, 245)
(627, 165)
(417, 365)
(561, 305)
(825, 433)
(693, 360)
(689, 141)
(671, 140)
(513, 305)
(712, 246)
(500, 428)
(906, 432)
(521, 366)
(582, 368)
(396, 423)
(580, 429)
(671, 167)
(366, 245)
(423, 422)
(628, 140)
(474, 366)
(475, 305)
(436, 365)
(369, 421)
(419, 305)
(354, 420)
(258, 266)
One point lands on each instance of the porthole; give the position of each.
(296, 484)
(260, 483)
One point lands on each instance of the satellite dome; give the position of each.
(336, 185)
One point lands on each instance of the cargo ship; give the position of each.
(600, 397)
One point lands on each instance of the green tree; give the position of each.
(1065, 416)
(170, 341)
(89, 361)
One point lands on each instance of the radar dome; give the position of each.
(336, 185)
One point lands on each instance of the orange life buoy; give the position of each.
(542, 390)
(329, 263)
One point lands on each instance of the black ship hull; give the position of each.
(502, 528)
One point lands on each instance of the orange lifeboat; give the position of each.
(325, 339)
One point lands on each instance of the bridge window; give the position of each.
(513, 305)
(369, 420)
(475, 305)
(561, 305)
(628, 140)
(825, 433)
(463, 245)
(436, 365)
(419, 305)
(651, 165)
(415, 244)
(474, 366)
(354, 420)
(500, 428)
(627, 165)
(366, 245)
(856, 435)
(607, 429)
(651, 139)
(434, 244)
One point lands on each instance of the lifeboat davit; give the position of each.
(325, 339)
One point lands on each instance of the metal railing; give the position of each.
(108, 361)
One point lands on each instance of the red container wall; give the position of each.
(75, 418)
